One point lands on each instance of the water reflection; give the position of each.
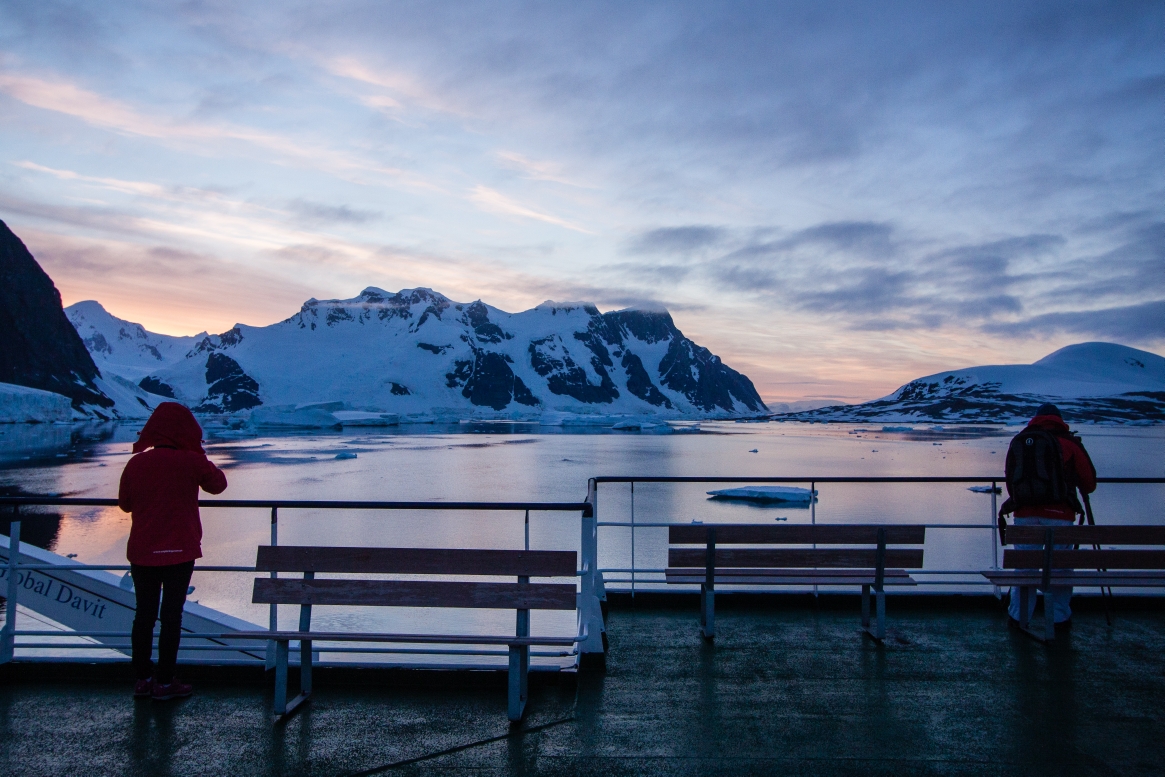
(518, 462)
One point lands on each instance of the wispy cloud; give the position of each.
(496, 202)
(538, 170)
(69, 99)
(404, 88)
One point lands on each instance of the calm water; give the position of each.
(492, 462)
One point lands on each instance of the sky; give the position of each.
(834, 197)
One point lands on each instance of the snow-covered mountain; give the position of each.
(125, 348)
(1099, 382)
(419, 354)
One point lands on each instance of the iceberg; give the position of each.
(765, 494)
(362, 418)
(289, 417)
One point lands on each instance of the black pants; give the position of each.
(149, 583)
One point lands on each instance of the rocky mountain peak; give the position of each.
(39, 347)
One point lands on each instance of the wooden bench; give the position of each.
(872, 568)
(309, 591)
(1032, 570)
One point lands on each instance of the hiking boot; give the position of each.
(143, 688)
(175, 689)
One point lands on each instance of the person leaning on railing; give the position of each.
(159, 487)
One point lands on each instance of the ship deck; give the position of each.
(790, 686)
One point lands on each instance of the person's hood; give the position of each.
(172, 425)
(1050, 423)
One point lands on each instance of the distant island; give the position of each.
(1090, 382)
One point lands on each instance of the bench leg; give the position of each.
(1048, 634)
(305, 663)
(281, 648)
(878, 632)
(281, 706)
(519, 675)
(707, 611)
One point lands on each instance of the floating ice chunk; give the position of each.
(362, 418)
(986, 489)
(631, 426)
(765, 494)
(346, 455)
(290, 418)
(754, 450)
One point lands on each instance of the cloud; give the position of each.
(677, 240)
(537, 170)
(69, 99)
(318, 213)
(1143, 323)
(404, 85)
(496, 202)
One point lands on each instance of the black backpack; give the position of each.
(1035, 473)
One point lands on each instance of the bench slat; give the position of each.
(795, 557)
(838, 534)
(417, 561)
(789, 577)
(1005, 577)
(418, 639)
(416, 593)
(1087, 535)
(1085, 559)
(731, 572)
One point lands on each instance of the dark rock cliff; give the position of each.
(39, 348)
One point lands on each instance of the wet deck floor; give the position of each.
(790, 686)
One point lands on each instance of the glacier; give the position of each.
(20, 404)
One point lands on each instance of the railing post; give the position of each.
(632, 539)
(994, 538)
(8, 636)
(273, 617)
(813, 521)
(590, 611)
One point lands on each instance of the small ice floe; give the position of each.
(345, 455)
(936, 443)
(754, 450)
(986, 489)
(897, 428)
(765, 494)
(781, 518)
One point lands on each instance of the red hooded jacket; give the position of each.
(159, 487)
(1077, 466)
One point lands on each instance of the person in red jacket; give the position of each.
(159, 487)
(1081, 473)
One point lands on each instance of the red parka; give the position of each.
(159, 486)
(1077, 466)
